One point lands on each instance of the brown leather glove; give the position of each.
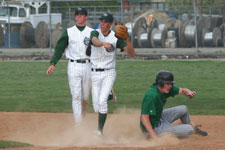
(121, 32)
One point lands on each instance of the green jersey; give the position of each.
(153, 103)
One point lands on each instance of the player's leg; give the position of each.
(86, 86)
(179, 112)
(175, 113)
(172, 114)
(106, 87)
(182, 130)
(95, 87)
(75, 89)
(84, 107)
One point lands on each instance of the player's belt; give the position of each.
(81, 61)
(98, 69)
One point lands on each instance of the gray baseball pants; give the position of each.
(172, 114)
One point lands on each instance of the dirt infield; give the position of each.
(56, 131)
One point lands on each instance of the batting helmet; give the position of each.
(164, 77)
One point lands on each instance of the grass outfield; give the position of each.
(11, 144)
(25, 87)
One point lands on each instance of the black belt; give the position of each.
(98, 69)
(81, 61)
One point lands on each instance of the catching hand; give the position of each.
(121, 32)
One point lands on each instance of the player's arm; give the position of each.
(50, 69)
(122, 35)
(96, 42)
(61, 45)
(187, 92)
(148, 126)
(148, 109)
(125, 45)
(129, 48)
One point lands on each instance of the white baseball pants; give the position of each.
(172, 114)
(102, 83)
(79, 76)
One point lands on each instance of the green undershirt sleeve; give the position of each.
(121, 44)
(94, 34)
(60, 48)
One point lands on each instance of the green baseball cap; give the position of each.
(107, 17)
(81, 10)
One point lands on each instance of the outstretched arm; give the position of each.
(190, 94)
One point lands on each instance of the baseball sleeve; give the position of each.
(60, 48)
(94, 33)
(148, 106)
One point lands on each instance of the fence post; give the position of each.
(196, 36)
(121, 7)
(9, 27)
(50, 23)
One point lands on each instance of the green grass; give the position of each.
(25, 87)
(11, 144)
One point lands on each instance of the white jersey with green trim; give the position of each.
(78, 41)
(100, 57)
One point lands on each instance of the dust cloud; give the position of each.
(49, 129)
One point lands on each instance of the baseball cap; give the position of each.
(81, 10)
(107, 17)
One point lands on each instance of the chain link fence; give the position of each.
(39, 24)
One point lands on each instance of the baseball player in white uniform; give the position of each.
(74, 42)
(103, 65)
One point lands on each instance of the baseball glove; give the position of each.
(112, 96)
(88, 50)
(121, 32)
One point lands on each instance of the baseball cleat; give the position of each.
(200, 132)
(98, 133)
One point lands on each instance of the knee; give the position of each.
(86, 95)
(190, 130)
(184, 108)
(187, 130)
(76, 97)
(76, 101)
(85, 102)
